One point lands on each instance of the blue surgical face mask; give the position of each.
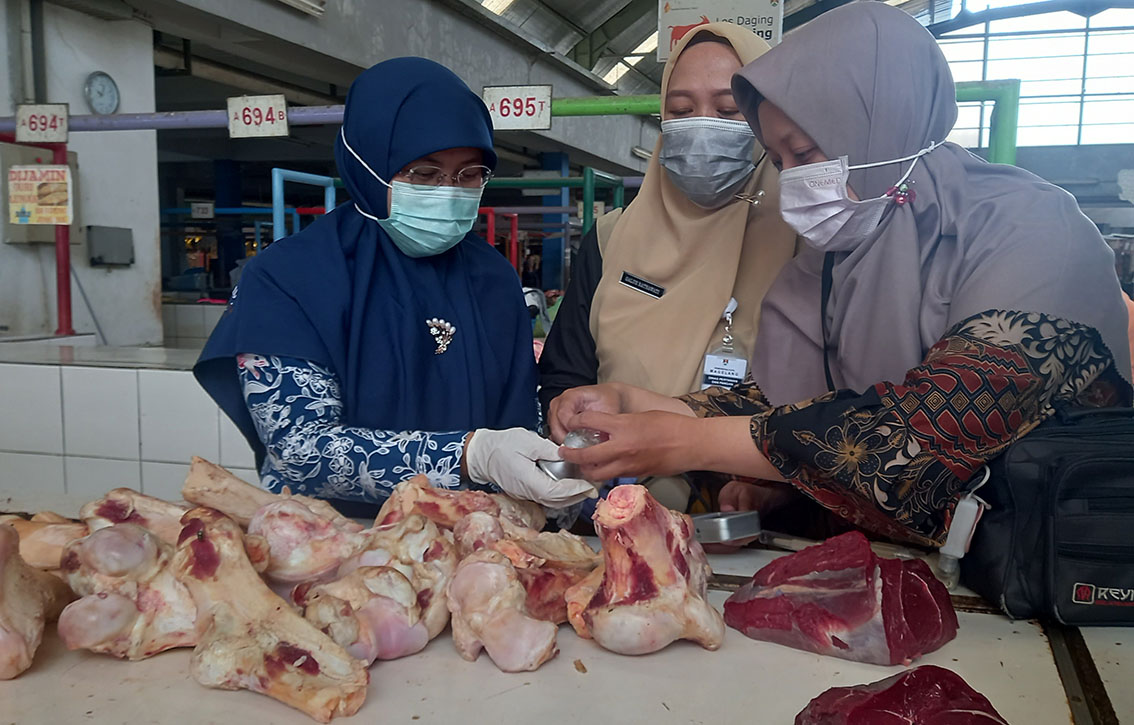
(425, 220)
(429, 220)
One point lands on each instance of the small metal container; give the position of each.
(718, 528)
(559, 469)
(582, 438)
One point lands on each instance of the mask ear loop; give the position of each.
(346, 145)
(901, 192)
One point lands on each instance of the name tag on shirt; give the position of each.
(723, 371)
(644, 286)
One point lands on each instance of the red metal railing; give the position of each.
(513, 248)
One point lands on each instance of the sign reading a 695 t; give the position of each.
(515, 108)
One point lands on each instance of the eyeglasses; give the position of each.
(470, 177)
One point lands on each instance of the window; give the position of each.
(1076, 73)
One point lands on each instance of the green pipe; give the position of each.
(607, 106)
(620, 197)
(1005, 94)
(1002, 136)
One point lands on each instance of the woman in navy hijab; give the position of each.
(386, 340)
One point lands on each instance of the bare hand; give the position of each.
(746, 496)
(602, 398)
(641, 444)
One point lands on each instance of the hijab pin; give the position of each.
(753, 199)
(442, 332)
(903, 193)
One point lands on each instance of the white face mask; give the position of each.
(814, 202)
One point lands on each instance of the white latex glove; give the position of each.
(507, 458)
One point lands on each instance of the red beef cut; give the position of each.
(926, 695)
(838, 598)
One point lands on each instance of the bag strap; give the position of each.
(827, 283)
(1074, 415)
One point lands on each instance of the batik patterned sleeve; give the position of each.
(894, 458)
(297, 409)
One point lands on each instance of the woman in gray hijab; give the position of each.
(942, 307)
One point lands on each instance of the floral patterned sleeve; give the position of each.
(894, 458)
(297, 409)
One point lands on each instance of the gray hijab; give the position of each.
(867, 81)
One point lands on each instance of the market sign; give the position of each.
(41, 123)
(39, 194)
(257, 116)
(518, 108)
(678, 17)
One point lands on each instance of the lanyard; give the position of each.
(828, 281)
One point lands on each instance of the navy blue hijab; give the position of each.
(341, 294)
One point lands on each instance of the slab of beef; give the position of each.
(838, 598)
(926, 695)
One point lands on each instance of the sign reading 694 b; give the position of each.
(252, 116)
(515, 108)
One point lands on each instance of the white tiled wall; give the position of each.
(189, 325)
(179, 420)
(68, 434)
(31, 419)
(100, 412)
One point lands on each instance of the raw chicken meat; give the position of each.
(373, 612)
(132, 606)
(926, 695)
(248, 637)
(445, 508)
(28, 599)
(487, 602)
(303, 545)
(42, 540)
(548, 564)
(126, 506)
(651, 588)
(423, 554)
(479, 530)
(838, 598)
(210, 485)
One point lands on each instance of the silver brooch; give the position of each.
(442, 332)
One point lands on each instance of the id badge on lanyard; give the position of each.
(724, 366)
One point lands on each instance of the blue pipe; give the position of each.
(279, 176)
(278, 228)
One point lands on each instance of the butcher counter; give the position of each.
(745, 681)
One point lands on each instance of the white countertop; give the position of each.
(157, 358)
(1112, 649)
(744, 681)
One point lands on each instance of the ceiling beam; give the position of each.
(594, 45)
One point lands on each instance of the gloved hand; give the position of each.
(507, 458)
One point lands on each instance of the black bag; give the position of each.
(1058, 540)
